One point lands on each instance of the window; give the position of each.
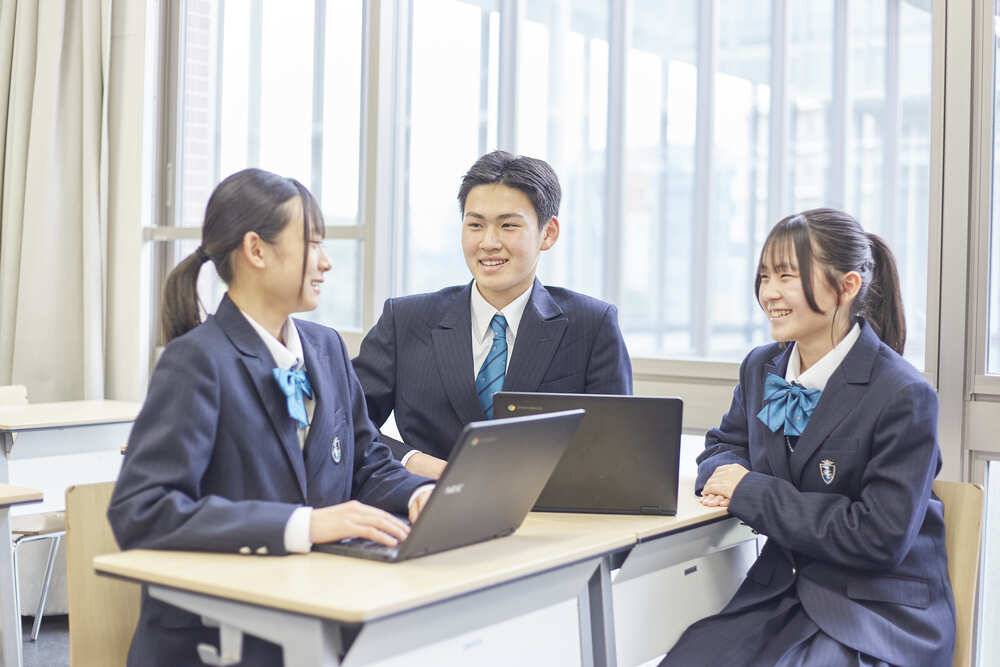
(734, 114)
(273, 84)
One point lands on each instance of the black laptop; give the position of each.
(493, 478)
(623, 459)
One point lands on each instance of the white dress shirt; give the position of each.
(290, 356)
(817, 375)
(482, 332)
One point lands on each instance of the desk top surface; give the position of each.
(15, 495)
(66, 413)
(368, 589)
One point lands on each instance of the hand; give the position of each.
(426, 465)
(714, 500)
(354, 519)
(419, 501)
(723, 483)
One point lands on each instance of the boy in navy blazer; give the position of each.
(437, 359)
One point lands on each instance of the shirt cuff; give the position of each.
(297, 531)
(418, 489)
(408, 455)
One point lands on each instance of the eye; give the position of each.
(472, 224)
(786, 276)
(510, 225)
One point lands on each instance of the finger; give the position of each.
(374, 516)
(390, 525)
(376, 535)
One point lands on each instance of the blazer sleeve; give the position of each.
(728, 442)
(375, 366)
(610, 368)
(379, 479)
(157, 501)
(877, 530)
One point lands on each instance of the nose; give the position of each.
(768, 292)
(324, 264)
(491, 238)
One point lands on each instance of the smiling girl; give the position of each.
(254, 437)
(829, 449)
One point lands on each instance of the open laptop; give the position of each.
(623, 459)
(493, 478)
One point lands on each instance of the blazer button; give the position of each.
(261, 551)
(794, 571)
(244, 550)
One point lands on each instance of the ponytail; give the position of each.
(181, 306)
(882, 306)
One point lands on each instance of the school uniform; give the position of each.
(422, 357)
(854, 570)
(215, 463)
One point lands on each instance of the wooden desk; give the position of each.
(37, 430)
(556, 569)
(10, 623)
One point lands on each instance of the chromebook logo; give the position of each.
(511, 407)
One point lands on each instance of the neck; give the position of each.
(813, 349)
(256, 306)
(500, 300)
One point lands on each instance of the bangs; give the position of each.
(313, 215)
(789, 246)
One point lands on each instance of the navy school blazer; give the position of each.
(850, 517)
(417, 360)
(213, 462)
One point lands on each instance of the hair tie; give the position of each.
(202, 255)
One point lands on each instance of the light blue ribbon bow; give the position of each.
(788, 405)
(293, 384)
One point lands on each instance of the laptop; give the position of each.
(493, 478)
(623, 459)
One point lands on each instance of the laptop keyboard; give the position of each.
(369, 545)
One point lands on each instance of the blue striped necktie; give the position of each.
(490, 378)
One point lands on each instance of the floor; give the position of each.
(52, 647)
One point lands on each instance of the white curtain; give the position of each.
(54, 63)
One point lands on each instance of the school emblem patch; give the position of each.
(336, 452)
(827, 470)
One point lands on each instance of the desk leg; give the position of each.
(10, 624)
(306, 641)
(597, 622)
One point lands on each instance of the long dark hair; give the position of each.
(252, 200)
(839, 244)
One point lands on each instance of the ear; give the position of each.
(850, 285)
(252, 250)
(550, 233)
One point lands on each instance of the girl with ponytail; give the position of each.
(829, 449)
(254, 437)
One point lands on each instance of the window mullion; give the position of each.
(318, 99)
(511, 12)
(254, 82)
(839, 109)
(619, 37)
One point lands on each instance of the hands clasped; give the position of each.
(720, 486)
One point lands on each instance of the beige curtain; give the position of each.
(54, 63)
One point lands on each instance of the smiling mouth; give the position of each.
(492, 263)
(778, 313)
(315, 284)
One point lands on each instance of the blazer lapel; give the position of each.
(774, 443)
(542, 327)
(453, 353)
(259, 364)
(844, 391)
(320, 439)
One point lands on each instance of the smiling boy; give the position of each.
(437, 359)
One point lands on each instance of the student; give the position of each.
(437, 359)
(252, 418)
(835, 469)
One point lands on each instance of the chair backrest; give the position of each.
(13, 394)
(103, 612)
(963, 520)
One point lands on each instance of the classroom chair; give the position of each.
(103, 612)
(29, 528)
(32, 528)
(963, 520)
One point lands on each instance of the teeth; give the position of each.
(776, 313)
(493, 262)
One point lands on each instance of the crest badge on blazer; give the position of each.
(336, 453)
(827, 470)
